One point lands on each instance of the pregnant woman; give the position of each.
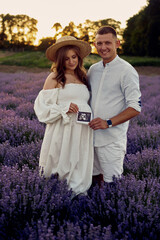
(67, 148)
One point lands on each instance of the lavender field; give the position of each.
(35, 208)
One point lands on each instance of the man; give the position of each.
(115, 99)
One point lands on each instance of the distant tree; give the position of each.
(69, 30)
(89, 29)
(45, 43)
(57, 26)
(153, 31)
(84, 31)
(135, 35)
(3, 36)
(18, 30)
(142, 34)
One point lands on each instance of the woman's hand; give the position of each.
(73, 108)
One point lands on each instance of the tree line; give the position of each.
(17, 31)
(141, 37)
(85, 31)
(142, 34)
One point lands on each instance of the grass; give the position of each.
(38, 59)
(27, 59)
(142, 61)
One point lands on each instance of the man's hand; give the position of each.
(98, 123)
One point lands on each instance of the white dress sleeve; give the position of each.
(46, 108)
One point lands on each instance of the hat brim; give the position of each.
(85, 48)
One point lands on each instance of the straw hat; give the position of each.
(85, 48)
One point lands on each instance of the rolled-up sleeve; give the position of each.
(46, 108)
(131, 90)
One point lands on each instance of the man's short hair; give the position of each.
(106, 29)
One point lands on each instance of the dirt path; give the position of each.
(12, 69)
(147, 70)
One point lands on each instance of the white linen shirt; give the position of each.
(114, 87)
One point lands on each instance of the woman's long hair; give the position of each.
(59, 65)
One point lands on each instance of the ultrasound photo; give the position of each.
(83, 117)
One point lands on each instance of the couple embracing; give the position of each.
(86, 115)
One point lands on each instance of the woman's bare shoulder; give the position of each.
(50, 81)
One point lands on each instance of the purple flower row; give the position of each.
(25, 154)
(144, 164)
(35, 208)
(143, 137)
(19, 131)
(32, 207)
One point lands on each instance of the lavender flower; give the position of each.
(19, 131)
(32, 207)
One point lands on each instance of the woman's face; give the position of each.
(71, 60)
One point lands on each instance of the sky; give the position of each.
(49, 12)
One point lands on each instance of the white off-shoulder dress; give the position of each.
(67, 147)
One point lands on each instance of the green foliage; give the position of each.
(38, 59)
(142, 34)
(142, 61)
(28, 59)
(91, 59)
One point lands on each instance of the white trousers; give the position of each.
(108, 160)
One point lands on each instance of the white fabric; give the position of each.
(114, 88)
(108, 160)
(67, 147)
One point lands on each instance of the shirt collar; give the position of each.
(110, 63)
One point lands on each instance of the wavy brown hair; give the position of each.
(59, 65)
